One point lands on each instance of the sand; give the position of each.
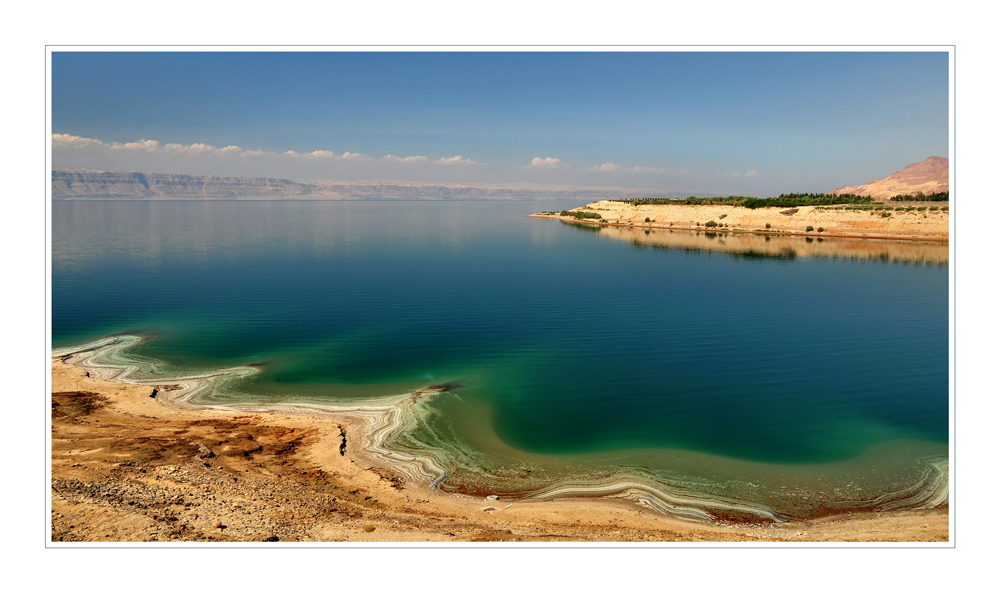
(836, 221)
(126, 467)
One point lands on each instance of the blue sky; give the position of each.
(750, 123)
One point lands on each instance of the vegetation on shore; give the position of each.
(783, 200)
(941, 196)
(580, 214)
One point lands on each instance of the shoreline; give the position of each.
(350, 443)
(839, 223)
(761, 233)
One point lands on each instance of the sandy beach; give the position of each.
(128, 467)
(836, 221)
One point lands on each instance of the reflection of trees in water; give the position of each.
(780, 247)
(587, 228)
(783, 254)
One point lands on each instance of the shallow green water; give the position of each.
(566, 343)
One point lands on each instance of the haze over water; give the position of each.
(566, 342)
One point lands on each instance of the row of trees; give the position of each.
(784, 200)
(941, 196)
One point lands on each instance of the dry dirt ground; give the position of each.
(128, 469)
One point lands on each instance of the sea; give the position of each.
(712, 374)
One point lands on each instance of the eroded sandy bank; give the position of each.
(836, 221)
(127, 467)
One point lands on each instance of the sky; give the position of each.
(757, 123)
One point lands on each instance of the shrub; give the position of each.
(809, 228)
(647, 219)
(711, 224)
(767, 226)
(886, 214)
(819, 230)
(576, 214)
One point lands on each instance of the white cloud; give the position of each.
(750, 173)
(616, 167)
(405, 159)
(201, 158)
(152, 154)
(71, 142)
(64, 141)
(325, 154)
(198, 148)
(456, 160)
(549, 162)
(148, 145)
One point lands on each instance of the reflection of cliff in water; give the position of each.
(783, 247)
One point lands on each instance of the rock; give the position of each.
(927, 177)
(217, 524)
(492, 497)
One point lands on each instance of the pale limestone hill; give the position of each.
(928, 176)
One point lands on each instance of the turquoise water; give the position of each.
(565, 341)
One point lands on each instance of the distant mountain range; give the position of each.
(96, 184)
(928, 176)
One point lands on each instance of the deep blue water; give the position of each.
(574, 342)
